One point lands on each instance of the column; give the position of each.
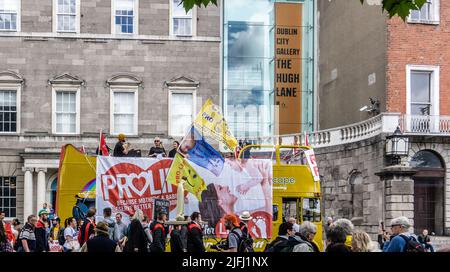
(27, 192)
(40, 194)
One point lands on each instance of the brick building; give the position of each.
(69, 68)
(380, 74)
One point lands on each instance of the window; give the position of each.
(181, 111)
(124, 111)
(9, 15)
(182, 23)
(8, 196)
(125, 17)
(429, 13)
(66, 14)
(66, 108)
(311, 210)
(8, 110)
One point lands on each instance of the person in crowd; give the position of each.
(195, 234)
(327, 226)
(361, 242)
(184, 232)
(97, 151)
(16, 228)
(176, 246)
(87, 227)
(159, 232)
(245, 217)
(120, 230)
(5, 245)
(101, 242)
(122, 147)
(296, 226)
(158, 150)
(51, 214)
(425, 240)
(27, 237)
(397, 242)
(348, 227)
(107, 212)
(307, 232)
(173, 152)
(285, 231)
(235, 234)
(41, 232)
(148, 233)
(137, 239)
(70, 235)
(381, 235)
(7, 227)
(55, 230)
(336, 240)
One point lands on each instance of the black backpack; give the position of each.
(412, 245)
(245, 242)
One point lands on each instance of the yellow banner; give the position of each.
(210, 121)
(181, 169)
(76, 183)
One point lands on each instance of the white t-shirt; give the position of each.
(69, 231)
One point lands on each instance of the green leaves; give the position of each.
(189, 4)
(401, 8)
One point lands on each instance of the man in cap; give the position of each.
(121, 148)
(41, 232)
(397, 242)
(101, 242)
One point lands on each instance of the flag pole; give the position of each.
(100, 144)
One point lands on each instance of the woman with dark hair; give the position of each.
(173, 152)
(210, 208)
(5, 245)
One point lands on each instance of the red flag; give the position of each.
(103, 150)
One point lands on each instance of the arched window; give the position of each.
(426, 159)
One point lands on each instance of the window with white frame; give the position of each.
(8, 196)
(125, 16)
(124, 111)
(8, 110)
(66, 110)
(181, 111)
(429, 13)
(66, 14)
(9, 15)
(421, 86)
(182, 23)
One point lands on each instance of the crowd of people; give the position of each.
(44, 232)
(123, 149)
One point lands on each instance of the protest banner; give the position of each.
(311, 158)
(128, 184)
(210, 121)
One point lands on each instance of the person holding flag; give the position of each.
(102, 149)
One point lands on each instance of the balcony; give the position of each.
(383, 123)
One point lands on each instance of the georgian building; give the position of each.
(69, 68)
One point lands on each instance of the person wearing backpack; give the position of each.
(159, 233)
(401, 239)
(285, 230)
(235, 236)
(195, 234)
(87, 228)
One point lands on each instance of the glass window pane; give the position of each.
(178, 9)
(420, 86)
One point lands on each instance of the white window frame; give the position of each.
(181, 90)
(66, 88)
(436, 15)
(135, 18)
(11, 218)
(194, 21)
(434, 96)
(18, 89)
(18, 22)
(77, 18)
(124, 89)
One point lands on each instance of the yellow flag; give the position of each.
(210, 121)
(181, 169)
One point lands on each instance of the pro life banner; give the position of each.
(128, 184)
(311, 158)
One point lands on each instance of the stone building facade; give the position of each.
(71, 68)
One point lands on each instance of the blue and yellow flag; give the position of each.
(181, 169)
(210, 121)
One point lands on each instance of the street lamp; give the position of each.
(397, 145)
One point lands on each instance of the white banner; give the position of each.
(311, 158)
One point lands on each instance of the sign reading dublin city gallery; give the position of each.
(288, 66)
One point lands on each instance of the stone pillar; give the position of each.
(398, 192)
(40, 194)
(27, 192)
